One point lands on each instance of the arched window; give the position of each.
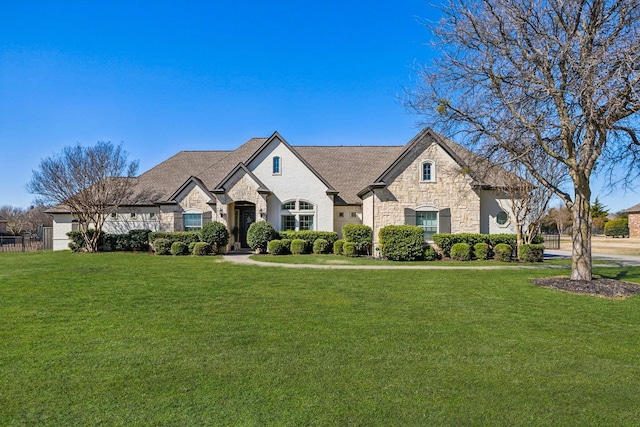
(276, 165)
(427, 171)
(297, 215)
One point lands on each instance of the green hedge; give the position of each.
(349, 249)
(310, 236)
(531, 253)
(617, 228)
(162, 246)
(298, 246)
(216, 234)
(337, 247)
(446, 240)
(360, 234)
(179, 248)
(201, 249)
(481, 250)
(461, 252)
(185, 237)
(503, 252)
(321, 246)
(77, 243)
(401, 242)
(430, 254)
(275, 247)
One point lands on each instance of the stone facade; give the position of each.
(450, 189)
(634, 224)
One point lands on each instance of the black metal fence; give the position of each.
(43, 240)
(551, 241)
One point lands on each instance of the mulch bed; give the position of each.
(606, 288)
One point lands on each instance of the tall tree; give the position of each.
(557, 76)
(91, 182)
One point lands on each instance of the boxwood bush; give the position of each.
(310, 236)
(360, 234)
(201, 249)
(162, 246)
(259, 235)
(298, 246)
(179, 248)
(401, 242)
(503, 252)
(216, 234)
(531, 253)
(461, 252)
(286, 245)
(320, 246)
(617, 228)
(481, 250)
(430, 253)
(185, 237)
(349, 249)
(275, 247)
(337, 247)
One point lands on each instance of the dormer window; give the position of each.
(276, 165)
(427, 171)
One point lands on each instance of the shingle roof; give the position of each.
(3, 219)
(633, 209)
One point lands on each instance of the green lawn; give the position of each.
(134, 339)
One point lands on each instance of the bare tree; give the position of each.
(91, 182)
(561, 73)
(17, 222)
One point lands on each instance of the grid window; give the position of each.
(354, 214)
(288, 222)
(192, 221)
(306, 206)
(289, 205)
(427, 171)
(429, 223)
(276, 165)
(306, 222)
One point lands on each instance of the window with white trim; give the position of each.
(276, 165)
(427, 171)
(297, 215)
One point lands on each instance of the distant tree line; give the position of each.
(25, 220)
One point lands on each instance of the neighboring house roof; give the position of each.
(634, 209)
(347, 171)
(3, 219)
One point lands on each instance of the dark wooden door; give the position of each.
(247, 217)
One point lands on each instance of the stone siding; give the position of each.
(634, 224)
(451, 189)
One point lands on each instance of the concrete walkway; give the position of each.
(619, 260)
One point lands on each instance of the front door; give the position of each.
(247, 217)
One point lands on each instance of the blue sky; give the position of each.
(160, 77)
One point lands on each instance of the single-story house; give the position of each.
(3, 225)
(431, 182)
(634, 220)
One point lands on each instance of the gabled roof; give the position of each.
(192, 180)
(276, 135)
(3, 219)
(222, 187)
(634, 209)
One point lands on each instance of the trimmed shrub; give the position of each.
(503, 252)
(461, 252)
(275, 247)
(201, 249)
(349, 249)
(320, 246)
(507, 239)
(216, 234)
(179, 248)
(259, 235)
(310, 236)
(430, 253)
(360, 234)
(191, 246)
(185, 237)
(337, 247)
(531, 253)
(298, 246)
(617, 228)
(77, 243)
(286, 245)
(162, 246)
(139, 240)
(481, 250)
(401, 242)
